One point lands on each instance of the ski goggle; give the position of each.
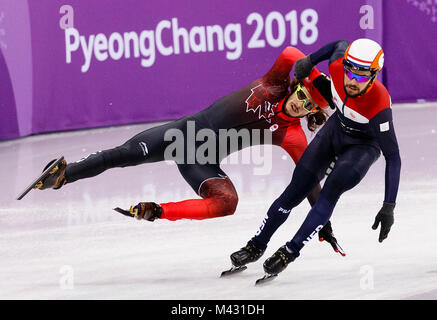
(308, 106)
(357, 77)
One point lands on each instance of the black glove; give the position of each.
(385, 216)
(327, 234)
(302, 68)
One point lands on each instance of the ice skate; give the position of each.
(276, 264)
(249, 253)
(143, 211)
(279, 261)
(55, 178)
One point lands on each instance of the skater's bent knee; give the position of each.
(223, 196)
(228, 203)
(223, 205)
(338, 183)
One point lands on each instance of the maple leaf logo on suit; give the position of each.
(258, 103)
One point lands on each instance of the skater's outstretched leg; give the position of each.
(219, 199)
(146, 147)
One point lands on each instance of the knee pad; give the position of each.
(223, 196)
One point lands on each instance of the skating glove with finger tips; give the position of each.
(385, 216)
(326, 234)
(302, 68)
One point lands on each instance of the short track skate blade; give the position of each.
(124, 212)
(40, 177)
(232, 271)
(266, 278)
(340, 250)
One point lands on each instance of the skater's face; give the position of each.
(300, 103)
(356, 81)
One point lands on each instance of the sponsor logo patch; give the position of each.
(384, 126)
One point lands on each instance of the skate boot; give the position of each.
(143, 211)
(279, 261)
(56, 178)
(249, 253)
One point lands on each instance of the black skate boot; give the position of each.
(249, 253)
(143, 211)
(56, 178)
(279, 261)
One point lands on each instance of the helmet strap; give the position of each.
(369, 85)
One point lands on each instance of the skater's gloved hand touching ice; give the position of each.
(326, 234)
(386, 218)
(143, 210)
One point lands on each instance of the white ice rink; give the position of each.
(69, 244)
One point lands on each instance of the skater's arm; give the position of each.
(332, 51)
(383, 127)
(285, 62)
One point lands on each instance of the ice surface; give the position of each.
(69, 244)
